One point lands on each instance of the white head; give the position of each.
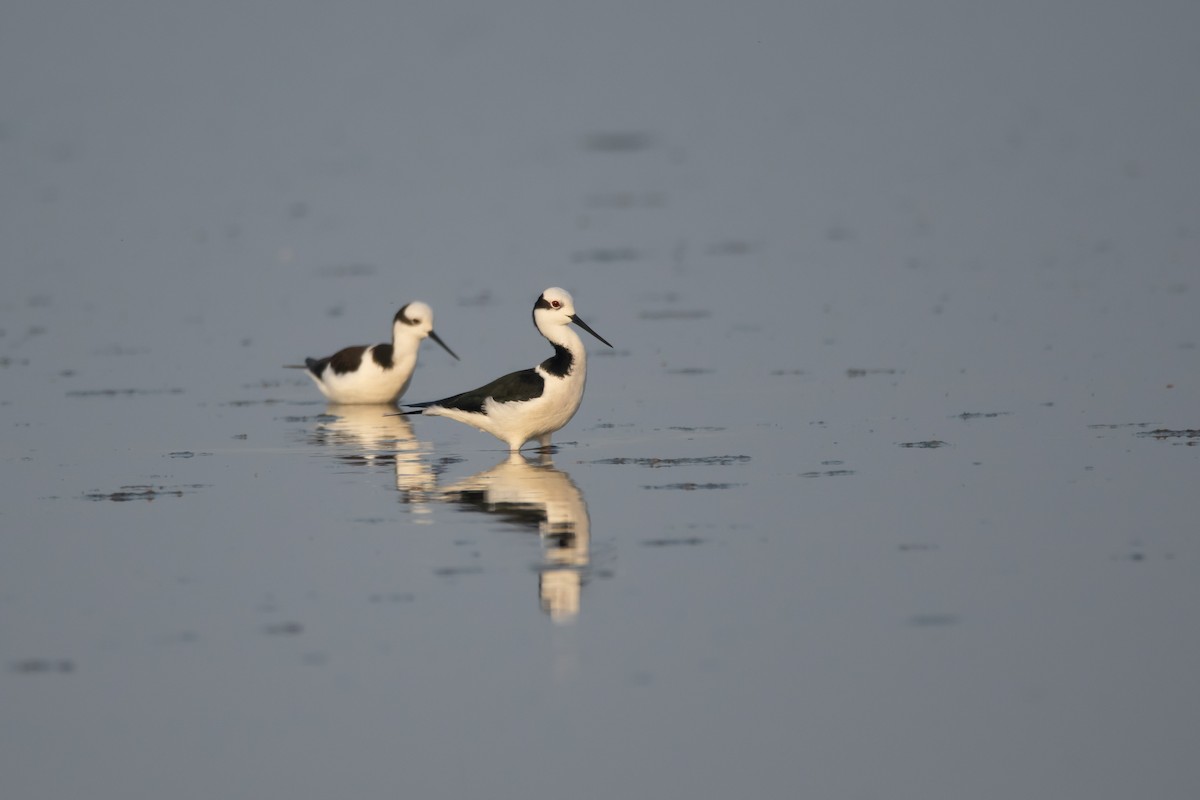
(416, 320)
(556, 307)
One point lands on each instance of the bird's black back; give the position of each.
(513, 387)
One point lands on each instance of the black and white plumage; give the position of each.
(378, 373)
(532, 403)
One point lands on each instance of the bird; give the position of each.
(377, 373)
(531, 403)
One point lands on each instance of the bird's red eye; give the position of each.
(555, 304)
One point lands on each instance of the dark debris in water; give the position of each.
(1112, 427)
(144, 492)
(265, 402)
(720, 461)
(829, 473)
(690, 371)
(43, 666)
(967, 415)
(441, 464)
(1165, 433)
(861, 372)
(926, 445)
(691, 487)
(691, 429)
(686, 541)
(119, 392)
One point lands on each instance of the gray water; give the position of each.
(887, 488)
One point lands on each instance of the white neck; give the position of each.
(403, 338)
(564, 336)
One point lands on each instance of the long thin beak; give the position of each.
(438, 339)
(584, 325)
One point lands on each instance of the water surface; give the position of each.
(885, 489)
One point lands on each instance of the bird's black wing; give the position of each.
(348, 359)
(514, 387)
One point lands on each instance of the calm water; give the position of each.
(885, 490)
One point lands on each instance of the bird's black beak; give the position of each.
(584, 325)
(438, 339)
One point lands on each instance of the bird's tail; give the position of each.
(313, 365)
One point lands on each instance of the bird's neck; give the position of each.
(562, 336)
(403, 340)
(569, 354)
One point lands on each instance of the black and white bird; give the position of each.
(532, 403)
(378, 373)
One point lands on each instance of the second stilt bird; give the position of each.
(378, 373)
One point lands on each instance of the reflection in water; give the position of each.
(363, 435)
(529, 495)
(543, 498)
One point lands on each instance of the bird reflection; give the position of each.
(539, 497)
(362, 435)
